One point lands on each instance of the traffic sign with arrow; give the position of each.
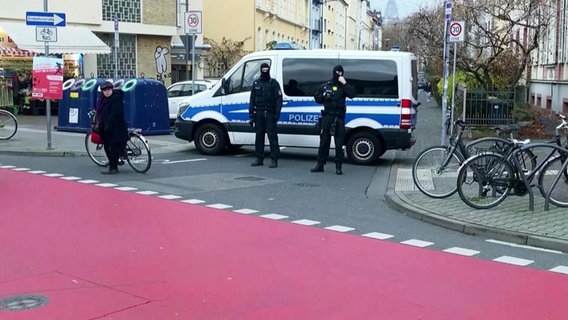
(46, 19)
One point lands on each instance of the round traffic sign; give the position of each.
(193, 20)
(455, 29)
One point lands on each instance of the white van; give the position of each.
(381, 117)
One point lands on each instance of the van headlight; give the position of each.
(182, 108)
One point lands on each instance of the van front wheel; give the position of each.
(364, 148)
(210, 139)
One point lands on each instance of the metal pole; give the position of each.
(193, 64)
(448, 15)
(186, 45)
(453, 88)
(116, 46)
(48, 101)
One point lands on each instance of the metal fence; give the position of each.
(484, 108)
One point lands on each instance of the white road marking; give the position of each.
(88, 181)
(378, 235)
(193, 201)
(21, 169)
(461, 251)
(182, 161)
(169, 197)
(514, 260)
(523, 246)
(306, 222)
(107, 185)
(147, 193)
(37, 172)
(245, 211)
(560, 269)
(54, 175)
(70, 178)
(417, 243)
(339, 228)
(7, 167)
(274, 216)
(219, 206)
(126, 188)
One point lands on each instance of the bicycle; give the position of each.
(434, 170)
(8, 125)
(137, 150)
(485, 180)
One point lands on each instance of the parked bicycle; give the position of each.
(8, 125)
(485, 180)
(435, 169)
(137, 151)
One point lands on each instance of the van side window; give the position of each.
(371, 78)
(241, 80)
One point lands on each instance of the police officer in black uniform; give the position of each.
(332, 95)
(264, 111)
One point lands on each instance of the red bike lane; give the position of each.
(100, 253)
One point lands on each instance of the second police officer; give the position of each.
(332, 95)
(264, 111)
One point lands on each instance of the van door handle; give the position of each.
(285, 101)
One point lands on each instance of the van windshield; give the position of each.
(371, 78)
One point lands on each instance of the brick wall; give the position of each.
(162, 12)
(148, 47)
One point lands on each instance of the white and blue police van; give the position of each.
(381, 117)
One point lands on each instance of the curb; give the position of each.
(44, 153)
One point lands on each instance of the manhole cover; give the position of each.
(21, 303)
(250, 178)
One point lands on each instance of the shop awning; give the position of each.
(69, 39)
(15, 52)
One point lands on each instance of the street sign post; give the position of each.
(45, 19)
(46, 34)
(457, 33)
(193, 25)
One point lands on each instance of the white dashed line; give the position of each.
(147, 193)
(170, 197)
(378, 235)
(306, 222)
(7, 167)
(514, 260)
(462, 251)
(417, 243)
(245, 211)
(21, 169)
(37, 172)
(70, 178)
(107, 185)
(193, 201)
(126, 188)
(88, 181)
(54, 175)
(560, 269)
(274, 216)
(219, 206)
(339, 228)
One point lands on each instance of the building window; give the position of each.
(126, 57)
(126, 10)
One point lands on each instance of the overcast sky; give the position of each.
(405, 7)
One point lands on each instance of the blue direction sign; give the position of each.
(45, 19)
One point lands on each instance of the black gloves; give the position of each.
(251, 123)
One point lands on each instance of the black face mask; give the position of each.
(265, 75)
(337, 72)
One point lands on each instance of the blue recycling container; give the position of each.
(79, 97)
(145, 104)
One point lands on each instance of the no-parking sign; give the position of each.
(457, 31)
(193, 22)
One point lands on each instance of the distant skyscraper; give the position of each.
(391, 11)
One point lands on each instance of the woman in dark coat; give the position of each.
(111, 124)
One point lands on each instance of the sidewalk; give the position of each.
(510, 221)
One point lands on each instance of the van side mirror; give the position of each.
(223, 86)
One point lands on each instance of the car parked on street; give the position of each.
(178, 91)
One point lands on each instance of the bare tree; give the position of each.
(223, 55)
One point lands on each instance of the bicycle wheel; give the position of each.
(138, 154)
(95, 151)
(8, 125)
(434, 171)
(559, 195)
(484, 180)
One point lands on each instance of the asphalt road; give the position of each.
(353, 202)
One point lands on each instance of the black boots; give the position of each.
(273, 163)
(338, 169)
(256, 163)
(110, 171)
(318, 167)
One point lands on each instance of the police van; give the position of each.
(381, 117)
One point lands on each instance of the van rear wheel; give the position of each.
(210, 139)
(364, 148)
